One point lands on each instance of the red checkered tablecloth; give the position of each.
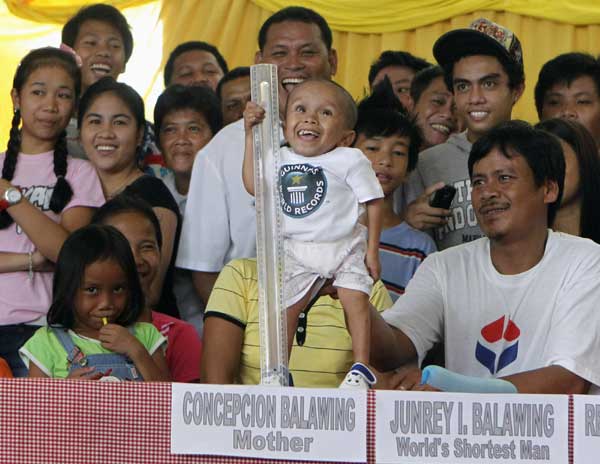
(47, 421)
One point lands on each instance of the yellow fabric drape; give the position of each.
(232, 25)
(396, 16)
(58, 11)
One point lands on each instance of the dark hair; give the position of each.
(83, 247)
(513, 69)
(187, 47)
(586, 151)
(423, 79)
(235, 73)
(103, 13)
(196, 98)
(382, 115)
(296, 14)
(564, 69)
(541, 150)
(127, 203)
(125, 93)
(396, 58)
(34, 60)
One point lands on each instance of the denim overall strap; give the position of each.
(114, 364)
(65, 340)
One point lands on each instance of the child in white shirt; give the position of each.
(325, 186)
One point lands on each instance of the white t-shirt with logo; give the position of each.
(323, 196)
(496, 325)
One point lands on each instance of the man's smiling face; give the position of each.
(298, 50)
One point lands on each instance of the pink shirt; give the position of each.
(21, 299)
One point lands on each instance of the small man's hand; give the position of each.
(421, 215)
(253, 114)
(373, 264)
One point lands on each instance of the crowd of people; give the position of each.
(127, 246)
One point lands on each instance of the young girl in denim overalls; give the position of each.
(92, 332)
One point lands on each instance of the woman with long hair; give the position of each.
(579, 213)
(111, 124)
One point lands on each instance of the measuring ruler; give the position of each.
(269, 229)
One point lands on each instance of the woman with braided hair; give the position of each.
(44, 195)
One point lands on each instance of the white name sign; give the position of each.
(267, 422)
(417, 427)
(586, 429)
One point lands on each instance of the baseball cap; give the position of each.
(481, 38)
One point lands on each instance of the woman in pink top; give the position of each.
(44, 195)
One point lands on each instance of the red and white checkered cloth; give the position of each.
(48, 421)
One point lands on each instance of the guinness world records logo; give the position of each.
(303, 189)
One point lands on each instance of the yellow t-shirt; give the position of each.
(326, 355)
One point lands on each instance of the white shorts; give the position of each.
(344, 260)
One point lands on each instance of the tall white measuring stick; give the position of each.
(269, 231)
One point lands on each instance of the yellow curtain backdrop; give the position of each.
(232, 25)
(395, 16)
(361, 31)
(58, 11)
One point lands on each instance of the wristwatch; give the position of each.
(12, 196)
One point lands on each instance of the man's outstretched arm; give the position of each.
(551, 379)
(390, 347)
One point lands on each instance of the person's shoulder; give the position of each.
(148, 181)
(165, 323)
(154, 191)
(349, 154)
(144, 326)
(44, 334)
(574, 248)
(78, 165)
(464, 251)
(44, 340)
(456, 142)
(436, 150)
(230, 136)
(412, 237)
(146, 331)
(246, 268)
(348, 151)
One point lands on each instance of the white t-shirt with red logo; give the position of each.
(23, 299)
(495, 325)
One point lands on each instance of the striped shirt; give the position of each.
(401, 250)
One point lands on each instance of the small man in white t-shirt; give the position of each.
(325, 186)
